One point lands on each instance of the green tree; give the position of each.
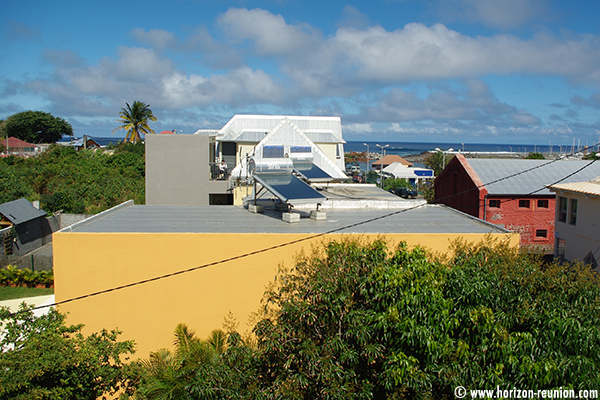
(535, 156)
(358, 321)
(437, 161)
(393, 183)
(42, 358)
(83, 181)
(134, 120)
(35, 127)
(213, 368)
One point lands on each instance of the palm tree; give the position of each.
(168, 375)
(135, 119)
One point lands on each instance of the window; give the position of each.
(573, 212)
(541, 233)
(562, 209)
(494, 203)
(524, 203)
(542, 203)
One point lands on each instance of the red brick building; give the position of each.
(510, 193)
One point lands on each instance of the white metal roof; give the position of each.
(322, 129)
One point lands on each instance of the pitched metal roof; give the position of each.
(517, 177)
(591, 188)
(20, 211)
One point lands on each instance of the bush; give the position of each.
(356, 320)
(13, 276)
(43, 358)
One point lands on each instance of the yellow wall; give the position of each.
(330, 150)
(85, 263)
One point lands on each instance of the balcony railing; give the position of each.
(219, 171)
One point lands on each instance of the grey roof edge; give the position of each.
(93, 218)
(474, 219)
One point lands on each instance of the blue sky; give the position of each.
(477, 71)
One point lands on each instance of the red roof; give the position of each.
(14, 142)
(167, 133)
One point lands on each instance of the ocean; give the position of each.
(406, 148)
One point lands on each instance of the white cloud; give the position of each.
(270, 33)
(358, 129)
(240, 87)
(157, 38)
(503, 14)
(264, 62)
(420, 52)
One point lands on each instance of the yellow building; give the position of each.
(144, 269)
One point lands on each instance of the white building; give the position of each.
(578, 221)
(212, 166)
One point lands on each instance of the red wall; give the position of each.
(459, 187)
(526, 221)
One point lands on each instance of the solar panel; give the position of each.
(312, 173)
(289, 188)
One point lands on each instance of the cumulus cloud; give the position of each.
(503, 14)
(62, 58)
(360, 71)
(473, 102)
(421, 52)
(270, 34)
(593, 101)
(414, 52)
(157, 38)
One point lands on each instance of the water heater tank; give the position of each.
(270, 166)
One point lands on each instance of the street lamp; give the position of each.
(381, 167)
(368, 158)
(443, 155)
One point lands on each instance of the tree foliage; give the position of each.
(535, 156)
(134, 119)
(357, 321)
(355, 157)
(43, 358)
(86, 181)
(35, 127)
(393, 183)
(437, 161)
(220, 367)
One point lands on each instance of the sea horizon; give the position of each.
(408, 148)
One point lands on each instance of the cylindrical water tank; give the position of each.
(270, 166)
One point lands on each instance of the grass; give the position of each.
(9, 293)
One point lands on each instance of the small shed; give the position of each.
(23, 227)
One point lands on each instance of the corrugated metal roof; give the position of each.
(429, 218)
(591, 188)
(326, 129)
(323, 137)
(20, 211)
(507, 177)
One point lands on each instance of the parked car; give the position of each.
(405, 192)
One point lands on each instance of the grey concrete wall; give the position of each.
(178, 170)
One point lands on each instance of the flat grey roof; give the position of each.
(428, 218)
(540, 173)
